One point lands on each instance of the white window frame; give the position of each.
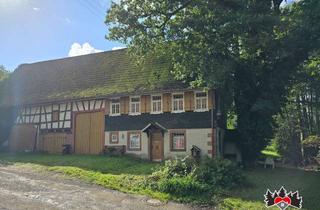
(172, 135)
(161, 107)
(114, 134)
(195, 102)
(111, 103)
(172, 102)
(129, 141)
(130, 103)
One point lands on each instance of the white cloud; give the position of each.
(117, 48)
(36, 9)
(67, 20)
(78, 49)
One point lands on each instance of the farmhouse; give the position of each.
(100, 101)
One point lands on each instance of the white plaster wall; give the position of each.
(98, 104)
(86, 105)
(93, 105)
(55, 107)
(48, 108)
(197, 137)
(123, 138)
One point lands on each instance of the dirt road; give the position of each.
(22, 187)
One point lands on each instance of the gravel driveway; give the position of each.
(22, 187)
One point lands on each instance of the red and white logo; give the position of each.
(282, 199)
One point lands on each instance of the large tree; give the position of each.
(246, 49)
(300, 117)
(6, 113)
(3, 73)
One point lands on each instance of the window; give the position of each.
(177, 103)
(55, 116)
(135, 105)
(178, 141)
(134, 141)
(201, 101)
(115, 107)
(156, 104)
(114, 137)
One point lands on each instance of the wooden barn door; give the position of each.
(82, 133)
(89, 133)
(22, 138)
(96, 132)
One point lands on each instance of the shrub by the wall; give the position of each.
(219, 173)
(187, 177)
(182, 185)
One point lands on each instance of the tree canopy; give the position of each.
(6, 116)
(3, 73)
(248, 50)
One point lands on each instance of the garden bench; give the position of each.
(269, 161)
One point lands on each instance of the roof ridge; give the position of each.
(70, 58)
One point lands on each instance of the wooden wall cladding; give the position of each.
(145, 104)
(52, 142)
(189, 101)
(124, 105)
(166, 102)
(211, 101)
(148, 104)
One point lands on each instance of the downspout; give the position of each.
(213, 142)
(216, 124)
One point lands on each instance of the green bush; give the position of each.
(188, 177)
(219, 173)
(183, 186)
(174, 168)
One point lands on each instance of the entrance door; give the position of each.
(156, 142)
(89, 133)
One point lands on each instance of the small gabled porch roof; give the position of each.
(154, 126)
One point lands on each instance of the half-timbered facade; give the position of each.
(100, 101)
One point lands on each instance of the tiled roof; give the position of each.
(110, 73)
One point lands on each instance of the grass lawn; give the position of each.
(103, 164)
(307, 183)
(126, 174)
